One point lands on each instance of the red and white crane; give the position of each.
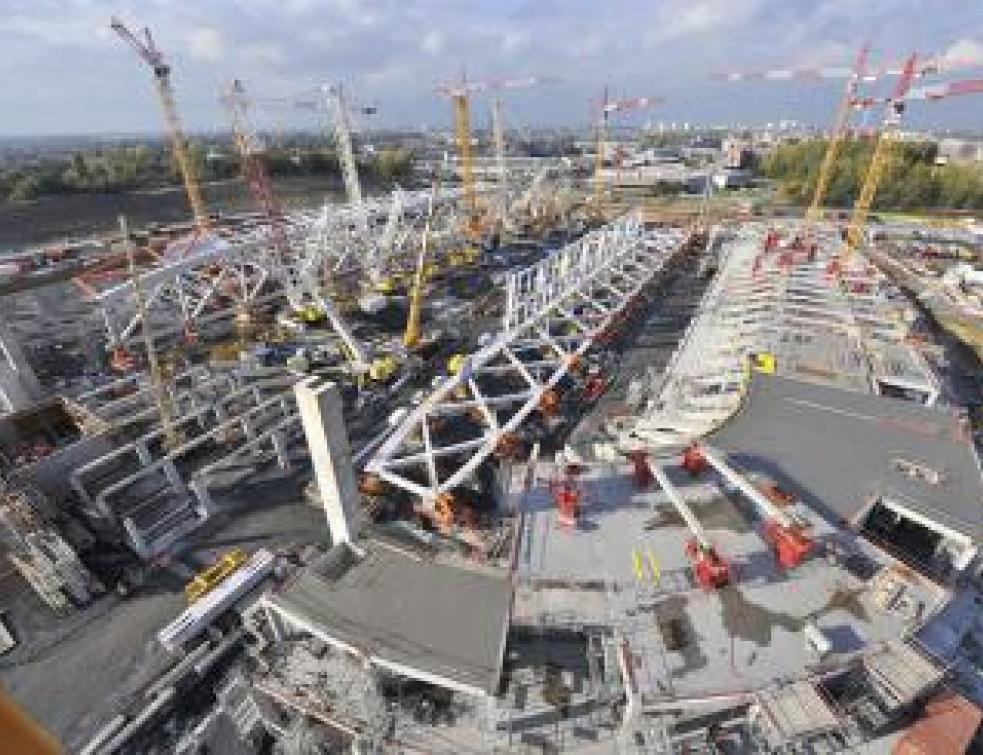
(606, 108)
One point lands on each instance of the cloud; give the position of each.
(433, 42)
(966, 52)
(206, 43)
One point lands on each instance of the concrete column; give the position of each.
(19, 386)
(327, 441)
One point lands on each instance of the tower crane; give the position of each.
(837, 134)
(158, 384)
(460, 96)
(498, 143)
(343, 140)
(153, 57)
(882, 150)
(257, 178)
(861, 72)
(607, 108)
(895, 107)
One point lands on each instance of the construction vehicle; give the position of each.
(210, 578)
(786, 534)
(153, 57)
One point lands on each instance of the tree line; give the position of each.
(911, 181)
(121, 169)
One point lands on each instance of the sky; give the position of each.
(63, 71)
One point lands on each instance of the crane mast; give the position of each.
(343, 141)
(149, 53)
(254, 171)
(462, 134)
(879, 160)
(498, 141)
(600, 146)
(162, 395)
(837, 135)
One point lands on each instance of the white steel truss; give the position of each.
(555, 310)
(201, 278)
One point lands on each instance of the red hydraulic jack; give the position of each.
(791, 546)
(643, 472)
(693, 460)
(566, 496)
(712, 572)
(595, 387)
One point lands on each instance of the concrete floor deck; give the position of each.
(695, 643)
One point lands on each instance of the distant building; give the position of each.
(736, 153)
(960, 151)
(732, 178)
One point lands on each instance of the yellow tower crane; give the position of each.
(148, 51)
(837, 135)
(460, 95)
(882, 153)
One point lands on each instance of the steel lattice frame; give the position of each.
(210, 276)
(555, 310)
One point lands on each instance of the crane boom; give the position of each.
(149, 53)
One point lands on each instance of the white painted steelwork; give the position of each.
(554, 312)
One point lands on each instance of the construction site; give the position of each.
(518, 460)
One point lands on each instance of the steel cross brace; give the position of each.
(554, 311)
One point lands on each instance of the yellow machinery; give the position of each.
(211, 577)
(148, 51)
(383, 368)
(414, 318)
(879, 160)
(763, 362)
(837, 136)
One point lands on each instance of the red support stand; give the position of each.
(643, 473)
(693, 460)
